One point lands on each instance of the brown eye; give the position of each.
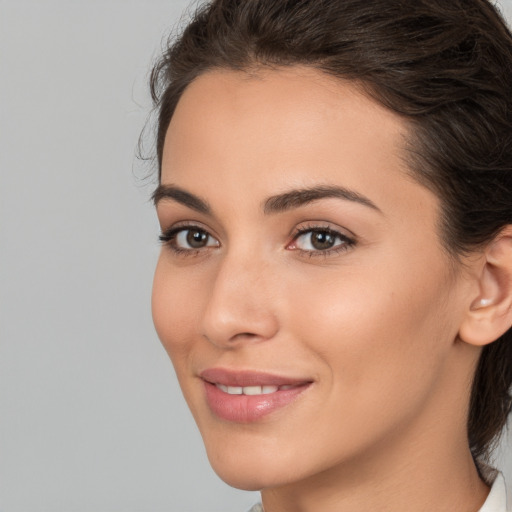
(196, 239)
(321, 241)
(189, 239)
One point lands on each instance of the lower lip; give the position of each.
(248, 408)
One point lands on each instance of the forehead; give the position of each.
(286, 112)
(290, 101)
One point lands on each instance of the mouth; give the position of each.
(245, 397)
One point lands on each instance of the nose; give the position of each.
(242, 305)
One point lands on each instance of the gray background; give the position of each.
(91, 418)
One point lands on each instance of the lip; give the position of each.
(248, 378)
(249, 408)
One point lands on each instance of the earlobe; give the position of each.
(490, 312)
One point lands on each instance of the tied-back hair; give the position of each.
(444, 66)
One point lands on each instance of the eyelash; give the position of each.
(169, 236)
(347, 242)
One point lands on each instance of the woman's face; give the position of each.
(302, 291)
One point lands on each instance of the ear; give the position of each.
(490, 312)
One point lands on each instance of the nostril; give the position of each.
(235, 339)
(246, 335)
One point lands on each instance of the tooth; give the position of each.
(252, 390)
(284, 388)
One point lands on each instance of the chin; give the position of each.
(253, 477)
(241, 469)
(244, 483)
(253, 469)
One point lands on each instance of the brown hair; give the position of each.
(445, 66)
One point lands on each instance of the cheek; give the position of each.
(174, 306)
(377, 333)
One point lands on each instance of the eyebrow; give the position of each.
(274, 204)
(181, 196)
(301, 197)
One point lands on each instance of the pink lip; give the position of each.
(248, 408)
(248, 378)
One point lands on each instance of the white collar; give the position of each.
(497, 499)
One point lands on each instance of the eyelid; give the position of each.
(187, 224)
(322, 225)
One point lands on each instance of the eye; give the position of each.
(193, 239)
(184, 239)
(320, 240)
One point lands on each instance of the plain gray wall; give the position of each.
(91, 418)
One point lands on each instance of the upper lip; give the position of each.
(244, 378)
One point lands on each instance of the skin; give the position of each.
(374, 324)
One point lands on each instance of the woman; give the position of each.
(335, 283)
